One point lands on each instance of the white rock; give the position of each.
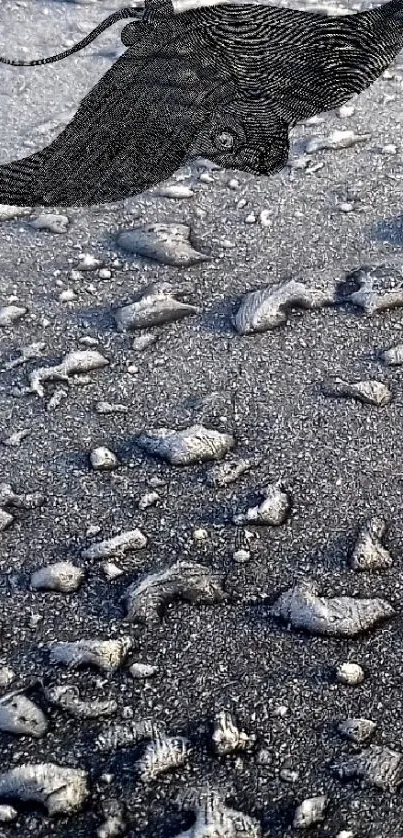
(350, 673)
(102, 459)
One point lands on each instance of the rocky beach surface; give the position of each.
(201, 440)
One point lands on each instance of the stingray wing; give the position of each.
(132, 131)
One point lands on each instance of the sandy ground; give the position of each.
(341, 460)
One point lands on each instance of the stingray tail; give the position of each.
(28, 182)
(20, 182)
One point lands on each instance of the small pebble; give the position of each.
(7, 813)
(200, 534)
(104, 273)
(9, 212)
(346, 111)
(111, 570)
(102, 459)
(5, 520)
(357, 730)
(87, 262)
(265, 218)
(176, 190)
(116, 546)
(7, 675)
(107, 407)
(310, 812)
(11, 314)
(288, 774)
(61, 576)
(67, 296)
(143, 341)
(143, 670)
(350, 673)
(149, 499)
(168, 244)
(50, 222)
(15, 439)
(241, 556)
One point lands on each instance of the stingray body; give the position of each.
(225, 83)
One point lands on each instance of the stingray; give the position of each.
(226, 83)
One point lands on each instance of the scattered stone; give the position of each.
(377, 766)
(350, 673)
(214, 818)
(61, 790)
(268, 307)
(345, 111)
(114, 824)
(105, 273)
(7, 813)
(241, 556)
(75, 363)
(176, 190)
(367, 392)
(227, 737)
(229, 471)
(27, 353)
(183, 448)
(310, 812)
(336, 140)
(11, 314)
(163, 754)
(188, 581)
(338, 616)
(107, 655)
(50, 222)
(102, 459)
(105, 408)
(149, 499)
(67, 697)
(200, 534)
(265, 218)
(205, 177)
(143, 670)
(8, 213)
(87, 262)
(380, 288)
(273, 511)
(357, 730)
(5, 520)
(57, 398)
(117, 546)
(155, 305)
(15, 439)
(111, 570)
(165, 243)
(128, 735)
(21, 716)
(29, 500)
(288, 774)
(144, 341)
(7, 675)
(393, 357)
(67, 296)
(369, 553)
(61, 576)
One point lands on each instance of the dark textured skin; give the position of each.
(223, 82)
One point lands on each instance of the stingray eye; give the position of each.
(224, 141)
